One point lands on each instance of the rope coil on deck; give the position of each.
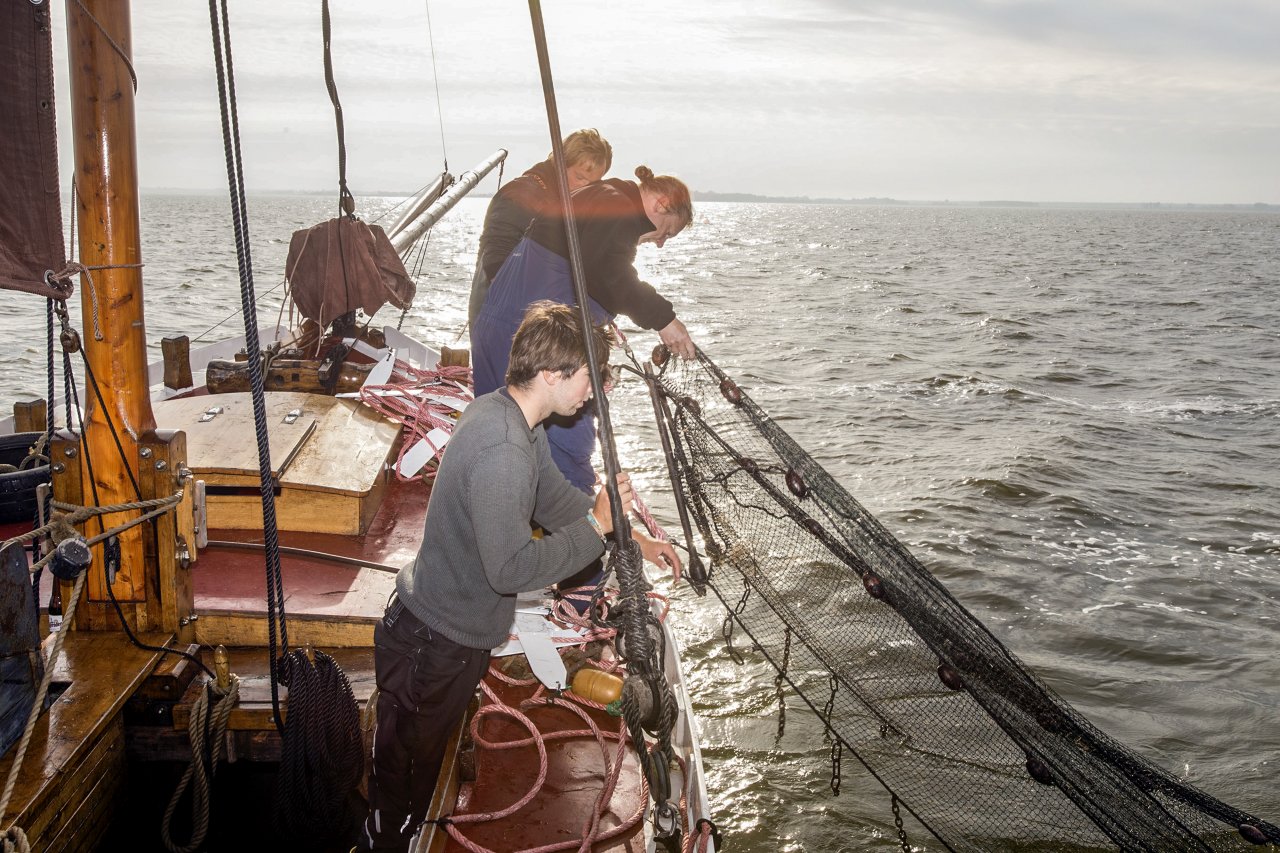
(211, 720)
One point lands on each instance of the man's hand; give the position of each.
(677, 339)
(601, 510)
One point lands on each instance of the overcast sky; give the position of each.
(1056, 100)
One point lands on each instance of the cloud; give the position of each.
(948, 98)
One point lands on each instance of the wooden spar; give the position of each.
(106, 181)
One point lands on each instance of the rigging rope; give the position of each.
(435, 75)
(276, 622)
(634, 620)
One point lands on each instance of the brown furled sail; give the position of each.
(343, 264)
(31, 244)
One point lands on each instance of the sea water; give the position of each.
(1072, 416)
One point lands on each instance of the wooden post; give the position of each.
(177, 362)
(454, 357)
(29, 416)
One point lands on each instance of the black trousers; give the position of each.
(425, 682)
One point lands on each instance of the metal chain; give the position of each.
(897, 821)
(779, 690)
(829, 708)
(837, 753)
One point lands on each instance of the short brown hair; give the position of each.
(587, 146)
(550, 338)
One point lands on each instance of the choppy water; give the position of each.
(1071, 416)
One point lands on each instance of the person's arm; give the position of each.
(609, 254)
(499, 496)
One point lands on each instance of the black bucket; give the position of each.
(18, 488)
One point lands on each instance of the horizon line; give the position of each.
(742, 197)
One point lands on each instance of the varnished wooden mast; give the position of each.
(106, 181)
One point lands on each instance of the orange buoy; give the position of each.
(601, 687)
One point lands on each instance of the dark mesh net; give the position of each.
(943, 715)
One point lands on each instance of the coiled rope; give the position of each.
(322, 751)
(626, 737)
(414, 402)
(207, 729)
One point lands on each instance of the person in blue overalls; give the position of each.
(613, 217)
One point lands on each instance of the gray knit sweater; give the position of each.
(496, 476)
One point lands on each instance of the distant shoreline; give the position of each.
(752, 198)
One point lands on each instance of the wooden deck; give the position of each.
(328, 603)
(74, 771)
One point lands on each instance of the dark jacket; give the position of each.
(610, 219)
(513, 207)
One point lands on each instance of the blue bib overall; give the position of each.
(530, 273)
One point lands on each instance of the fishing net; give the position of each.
(906, 680)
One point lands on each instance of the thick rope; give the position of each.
(276, 622)
(322, 750)
(205, 754)
(62, 523)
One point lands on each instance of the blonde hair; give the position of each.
(679, 201)
(587, 146)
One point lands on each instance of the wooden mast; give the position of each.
(106, 182)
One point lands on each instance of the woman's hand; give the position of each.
(677, 339)
(661, 554)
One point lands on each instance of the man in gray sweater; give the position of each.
(457, 601)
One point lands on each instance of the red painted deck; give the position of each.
(567, 800)
(234, 579)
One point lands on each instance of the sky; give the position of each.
(1172, 101)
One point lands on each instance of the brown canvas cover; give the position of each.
(31, 216)
(344, 264)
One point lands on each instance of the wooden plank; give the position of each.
(250, 629)
(160, 743)
(297, 510)
(254, 711)
(171, 677)
(63, 819)
(88, 826)
(102, 670)
(171, 592)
